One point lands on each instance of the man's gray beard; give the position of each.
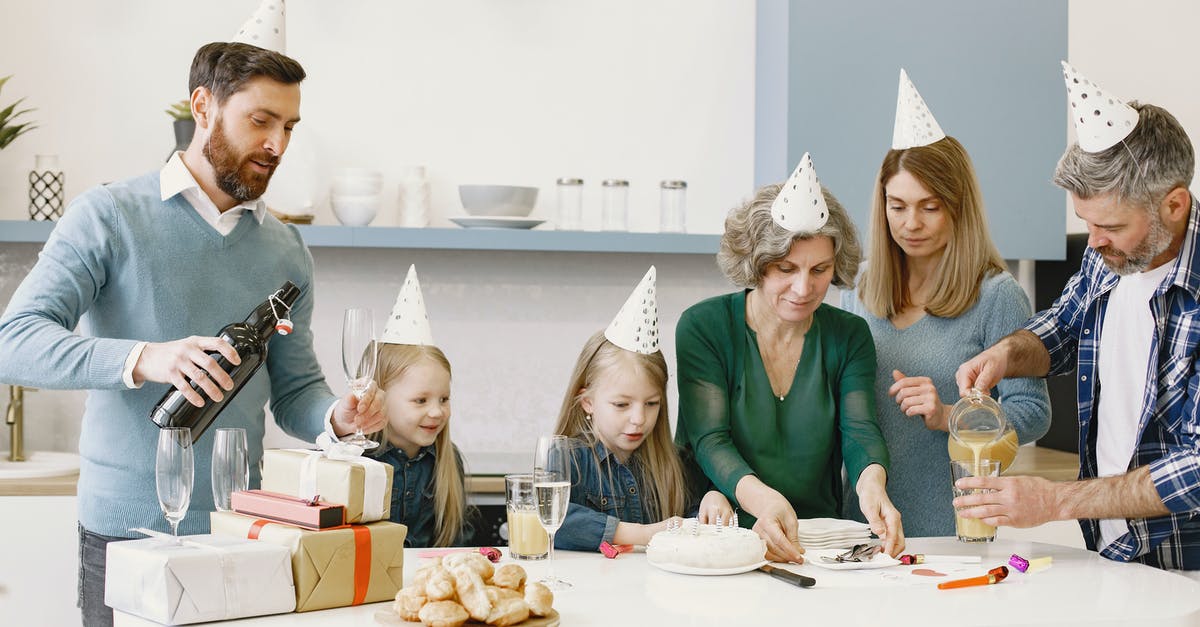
(1157, 241)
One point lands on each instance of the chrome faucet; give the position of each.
(15, 418)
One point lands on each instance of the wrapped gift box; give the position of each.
(204, 578)
(334, 567)
(288, 509)
(362, 484)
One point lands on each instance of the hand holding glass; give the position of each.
(358, 361)
(173, 474)
(552, 491)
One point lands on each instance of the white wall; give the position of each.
(1143, 51)
(517, 92)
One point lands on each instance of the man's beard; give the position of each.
(1140, 258)
(233, 173)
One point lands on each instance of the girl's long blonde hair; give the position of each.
(449, 484)
(945, 169)
(663, 486)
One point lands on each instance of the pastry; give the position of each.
(443, 614)
(539, 599)
(509, 576)
(496, 593)
(409, 602)
(471, 593)
(472, 560)
(439, 584)
(509, 611)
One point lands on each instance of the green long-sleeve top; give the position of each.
(731, 420)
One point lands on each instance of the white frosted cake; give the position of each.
(706, 546)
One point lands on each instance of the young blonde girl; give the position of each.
(428, 487)
(628, 479)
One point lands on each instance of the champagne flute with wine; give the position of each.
(552, 492)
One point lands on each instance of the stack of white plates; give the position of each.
(831, 533)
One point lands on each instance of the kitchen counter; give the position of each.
(48, 486)
(1081, 588)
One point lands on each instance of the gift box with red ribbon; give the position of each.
(347, 565)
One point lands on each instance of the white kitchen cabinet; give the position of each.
(39, 549)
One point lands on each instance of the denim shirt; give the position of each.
(604, 492)
(413, 492)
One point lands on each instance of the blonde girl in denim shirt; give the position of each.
(628, 478)
(428, 487)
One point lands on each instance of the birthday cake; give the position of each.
(694, 545)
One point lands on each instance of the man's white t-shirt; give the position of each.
(1123, 362)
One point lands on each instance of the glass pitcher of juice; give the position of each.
(979, 430)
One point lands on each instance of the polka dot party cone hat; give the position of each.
(915, 125)
(800, 205)
(265, 28)
(1101, 119)
(636, 326)
(408, 323)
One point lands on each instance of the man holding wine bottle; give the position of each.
(1128, 319)
(149, 268)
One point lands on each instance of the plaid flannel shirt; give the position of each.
(1169, 427)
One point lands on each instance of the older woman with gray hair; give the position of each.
(776, 389)
(1128, 319)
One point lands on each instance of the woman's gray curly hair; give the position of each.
(753, 240)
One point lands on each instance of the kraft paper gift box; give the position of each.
(204, 578)
(333, 567)
(362, 484)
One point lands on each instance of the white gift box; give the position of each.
(204, 578)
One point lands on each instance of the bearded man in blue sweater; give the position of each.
(145, 270)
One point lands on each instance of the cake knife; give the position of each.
(795, 579)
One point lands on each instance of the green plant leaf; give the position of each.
(11, 132)
(4, 80)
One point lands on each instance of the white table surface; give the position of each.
(1081, 588)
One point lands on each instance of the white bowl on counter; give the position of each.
(355, 210)
(498, 200)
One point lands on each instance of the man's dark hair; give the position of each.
(224, 67)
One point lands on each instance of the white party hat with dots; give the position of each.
(1101, 119)
(636, 326)
(265, 28)
(915, 125)
(409, 323)
(800, 205)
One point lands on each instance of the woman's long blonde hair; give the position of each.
(945, 169)
(663, 486)
(449, 484)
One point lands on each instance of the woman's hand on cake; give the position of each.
(713, 507)
(777, 526)
(877, 507)
(352, 412)
(917, 396)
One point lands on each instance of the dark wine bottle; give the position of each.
(249, 338)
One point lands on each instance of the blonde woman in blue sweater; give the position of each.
(934, 292)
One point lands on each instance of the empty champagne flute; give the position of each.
(173, 474)
(552, 491)
(358, 361)
(230, 466)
